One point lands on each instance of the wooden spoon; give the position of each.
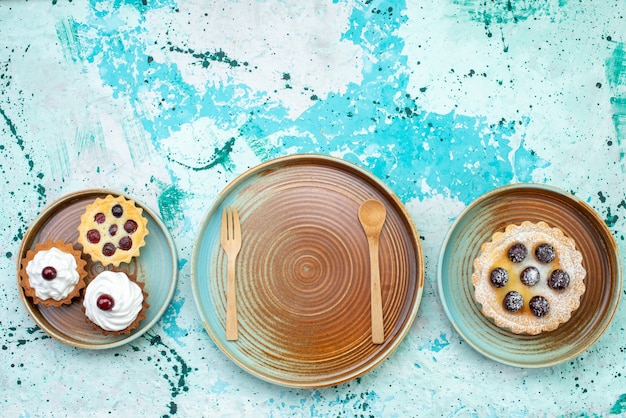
(372, 215)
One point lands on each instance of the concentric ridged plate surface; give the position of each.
(156, 267)
(303, 282)
(515, 204)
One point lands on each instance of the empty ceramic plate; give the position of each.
(302, 275)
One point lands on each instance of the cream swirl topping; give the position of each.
(62, 284)
(126, 295)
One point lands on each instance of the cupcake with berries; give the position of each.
(112, 230)
(115, 303)
(53, 273)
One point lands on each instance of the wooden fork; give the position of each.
(230, 238)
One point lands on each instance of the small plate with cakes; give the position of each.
(529, 275)
(96, 269)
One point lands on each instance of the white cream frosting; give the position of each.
(127, 300)
(66, 274)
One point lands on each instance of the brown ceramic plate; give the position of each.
(515, 204)
(156, 267)
(303, 272)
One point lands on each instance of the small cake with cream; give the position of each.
(53, 273)
(114, 302)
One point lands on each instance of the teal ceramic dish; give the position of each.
(512, 205)
(302, 275)
(156, 266)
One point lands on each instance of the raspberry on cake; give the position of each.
(53, 273)
(529, 279)
(112, 230)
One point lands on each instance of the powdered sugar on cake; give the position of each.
(562, 302)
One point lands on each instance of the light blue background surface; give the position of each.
(169, 101)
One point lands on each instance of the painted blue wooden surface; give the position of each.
(170, 101)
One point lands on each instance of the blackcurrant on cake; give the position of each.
(529, 278)
(112, 230)
(115, 303)
(53, 273)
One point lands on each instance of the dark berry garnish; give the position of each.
(49, 273)
(499, 277)
(513, 301)
(558, 280)
(113, 230)
(126, 243)
(130, 226)
(539, 306)
(517, 252)
(99, 218)
(93, 236)
(117, 210)
(529, 276)
(545, 253)
(108, 249)
(105, 302)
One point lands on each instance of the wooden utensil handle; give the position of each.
(378, 333)
(231, 303)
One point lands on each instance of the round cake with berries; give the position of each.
(529, 279)
(112, 230)
(53, 273)
(115, 303)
